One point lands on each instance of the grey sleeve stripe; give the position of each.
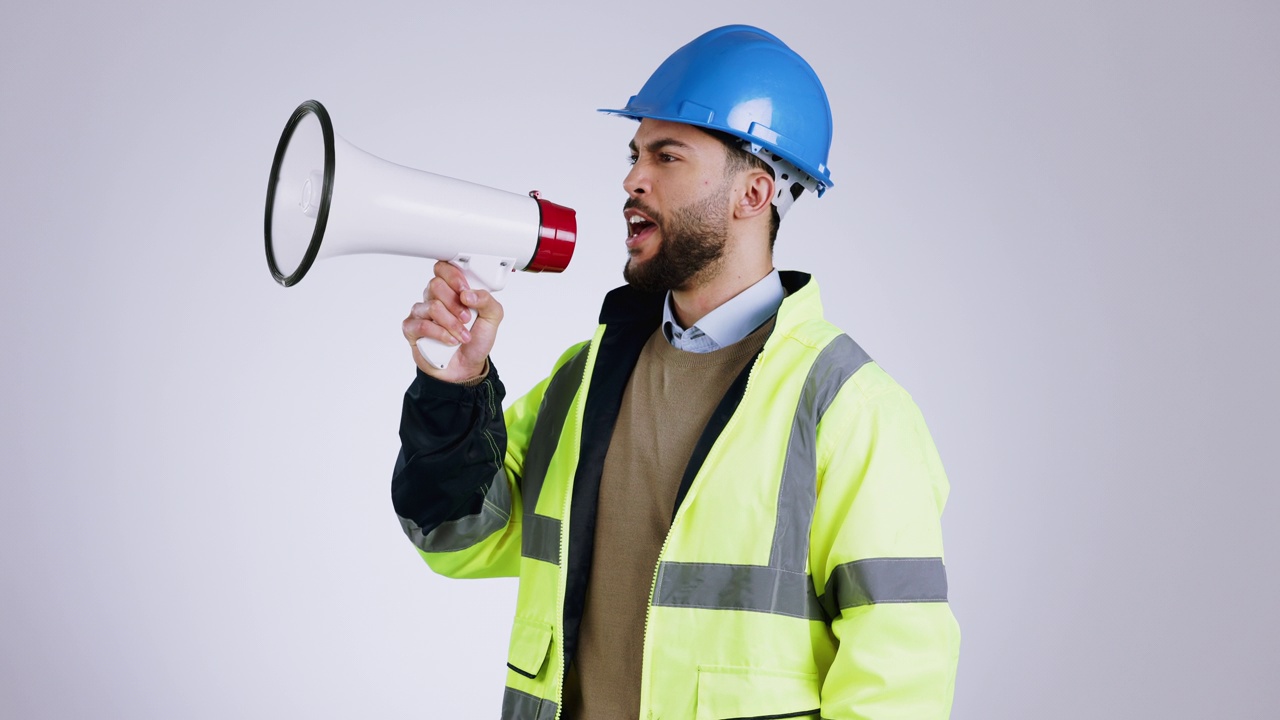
(465, 532)
(540, 538)
(518, 705)
(885, 580)
(753, 588)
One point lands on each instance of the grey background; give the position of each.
(1054, 223)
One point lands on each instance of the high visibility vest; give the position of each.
(802, 575)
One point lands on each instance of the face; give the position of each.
(677, 208)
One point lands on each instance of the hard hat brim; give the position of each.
(822, 176)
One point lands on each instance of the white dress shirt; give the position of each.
(728, 323)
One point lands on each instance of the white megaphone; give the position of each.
(380, 207)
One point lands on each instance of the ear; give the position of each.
(757, 195)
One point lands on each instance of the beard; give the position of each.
(692, 245)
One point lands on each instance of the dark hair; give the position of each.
(737, 160)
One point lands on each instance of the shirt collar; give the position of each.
(728, 323)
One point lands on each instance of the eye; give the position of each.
(664, 157)
(631, 159)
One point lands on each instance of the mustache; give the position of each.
(634, 203)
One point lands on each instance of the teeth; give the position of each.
(635, 220)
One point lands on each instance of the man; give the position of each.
(719, 506)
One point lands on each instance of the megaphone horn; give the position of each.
(380, 207)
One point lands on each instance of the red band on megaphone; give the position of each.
(557, 234)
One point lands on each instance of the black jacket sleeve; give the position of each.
(452, 443)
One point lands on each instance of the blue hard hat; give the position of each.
(745, 82)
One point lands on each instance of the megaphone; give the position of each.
(380, 207)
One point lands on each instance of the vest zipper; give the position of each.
(563, 577)
(590, 364)
(648, 617)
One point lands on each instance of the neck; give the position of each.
(692, 303)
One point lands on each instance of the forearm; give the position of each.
(453, 439)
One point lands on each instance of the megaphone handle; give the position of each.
(438, 353)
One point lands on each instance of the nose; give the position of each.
(636, 182)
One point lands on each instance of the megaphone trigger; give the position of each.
(489, 271)
(483, 272)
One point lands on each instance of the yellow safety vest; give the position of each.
(802, 576)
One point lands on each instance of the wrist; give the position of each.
(478, 378)
(457, 374)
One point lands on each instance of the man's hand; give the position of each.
(447, 304)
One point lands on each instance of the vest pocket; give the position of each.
(733, 693)
(530, 640)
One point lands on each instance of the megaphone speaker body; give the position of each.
(327, 197)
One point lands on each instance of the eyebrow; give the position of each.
(657, 145)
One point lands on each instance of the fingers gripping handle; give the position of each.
(436, 352)
(483, 272)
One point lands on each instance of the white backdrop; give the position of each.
(1054, 223)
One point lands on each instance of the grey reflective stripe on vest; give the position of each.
(552, 412)
(783, 587)
(464, 532)
(540, 538)
(518, 705)
(885, 580)
(737, 587)
(798, 492)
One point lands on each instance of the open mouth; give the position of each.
(638, 224)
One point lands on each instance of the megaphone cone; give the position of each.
(376, 206)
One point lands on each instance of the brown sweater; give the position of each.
(667, 403)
